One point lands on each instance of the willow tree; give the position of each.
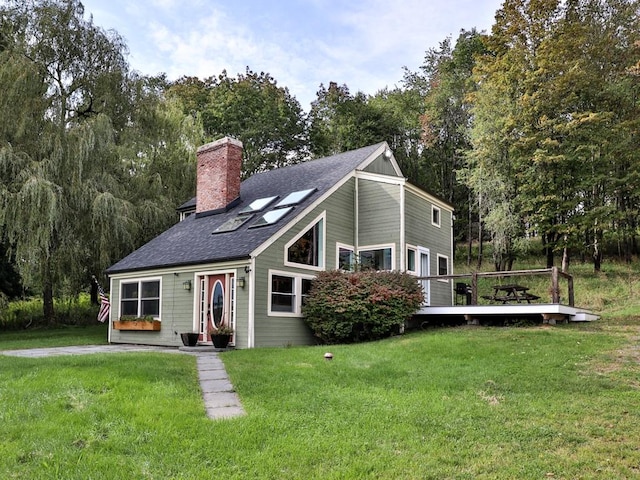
(63, 77)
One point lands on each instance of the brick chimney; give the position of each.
(218, 174)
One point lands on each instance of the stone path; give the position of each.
(220, 399)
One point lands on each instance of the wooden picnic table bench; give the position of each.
(511, 293)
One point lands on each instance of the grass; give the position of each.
(58, 337)
(459, 403)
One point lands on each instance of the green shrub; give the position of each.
(347, 307)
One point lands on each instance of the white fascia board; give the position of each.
(182, 269)
(380, 178)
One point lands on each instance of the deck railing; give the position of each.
(554, 272)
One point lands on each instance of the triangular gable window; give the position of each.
(308, 247)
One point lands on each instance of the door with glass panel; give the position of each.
(216, 303)
(424, 271)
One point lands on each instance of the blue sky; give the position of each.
(302, 43)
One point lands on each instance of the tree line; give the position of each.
(530, 130)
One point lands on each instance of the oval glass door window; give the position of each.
(217, 303)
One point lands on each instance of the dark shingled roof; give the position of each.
(192, 241)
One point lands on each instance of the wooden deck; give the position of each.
(550, 313)
(509, 300)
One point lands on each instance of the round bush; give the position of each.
(344, 307)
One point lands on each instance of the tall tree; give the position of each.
(400, 111)
(252, 108)
(557, 89)
(576, 112)
(340, 121)
(445, 80)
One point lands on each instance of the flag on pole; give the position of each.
(105, 305)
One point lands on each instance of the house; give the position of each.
(245, 253)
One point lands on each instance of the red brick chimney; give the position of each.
(219, 167)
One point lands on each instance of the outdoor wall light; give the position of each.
(187, 285)
(240, 282)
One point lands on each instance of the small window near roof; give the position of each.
(435, 216)
(232, 224)
(258, 204)
(295, 197)
(271, 217)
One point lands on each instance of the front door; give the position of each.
(216, 302)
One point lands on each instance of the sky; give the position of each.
(364, 44)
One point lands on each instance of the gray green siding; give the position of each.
(286, 330)
(177, 305)
(419, 231)
(382, 166)
(379, 214)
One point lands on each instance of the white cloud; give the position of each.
(363, 43)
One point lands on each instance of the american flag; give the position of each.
(105, 305)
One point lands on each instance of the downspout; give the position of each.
(356, 228)
(451, 257)
(110, 309)
(401, 247)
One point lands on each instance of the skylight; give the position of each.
(271, 217)
(233, 223)
(295, 197)
(258, 204)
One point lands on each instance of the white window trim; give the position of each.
(323, 251)
(344, 246)
(438, 257)
(139, 282)
(382, 246)
(439, 222)
(297, 286)
(414, 249)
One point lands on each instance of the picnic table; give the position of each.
(511, 293)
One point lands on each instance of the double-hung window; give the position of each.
(287, 293)
(140, 298)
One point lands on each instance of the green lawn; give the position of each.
(458, 403)
(56, 337)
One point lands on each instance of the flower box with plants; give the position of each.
(221, 336)
(131, 322)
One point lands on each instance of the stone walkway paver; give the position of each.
(220, 399)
